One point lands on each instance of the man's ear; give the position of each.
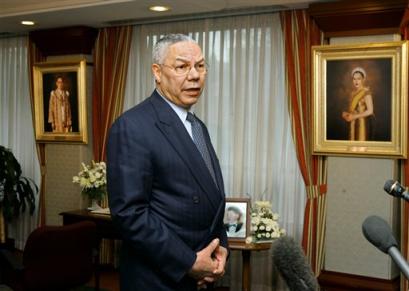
(157, 72)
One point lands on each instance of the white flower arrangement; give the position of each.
(92, 179)
(264, 223)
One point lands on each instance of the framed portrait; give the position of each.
(360, 99)
(60, 102)
(237, 219)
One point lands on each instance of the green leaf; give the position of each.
(19, 192)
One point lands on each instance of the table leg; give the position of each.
(246, 282)
(96, 264)
(97, 277)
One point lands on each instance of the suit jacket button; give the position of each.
(196, 199)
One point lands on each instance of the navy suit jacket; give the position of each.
(162, 197)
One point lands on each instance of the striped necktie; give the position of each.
(200, 142)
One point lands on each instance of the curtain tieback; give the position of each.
(313, 191)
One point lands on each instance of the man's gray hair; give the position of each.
(161, 47)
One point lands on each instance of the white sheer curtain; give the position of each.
(17, 132)
(245, 109)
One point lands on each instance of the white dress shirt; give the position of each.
(181, 112)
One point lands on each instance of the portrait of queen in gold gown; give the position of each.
(359, 100)
(360, 114)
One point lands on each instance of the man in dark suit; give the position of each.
(164, 180)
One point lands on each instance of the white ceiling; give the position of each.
(100, 13)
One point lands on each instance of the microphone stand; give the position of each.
(399, 260)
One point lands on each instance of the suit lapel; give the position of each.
(171, 126)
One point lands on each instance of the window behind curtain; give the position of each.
(17, 131)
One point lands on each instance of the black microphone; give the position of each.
(290, 260)
(377, 232)
(394, 188)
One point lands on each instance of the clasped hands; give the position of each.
(348, 116)
(210, 264)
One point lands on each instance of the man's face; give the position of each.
(181, 89)
(232, 216)
(60, 83)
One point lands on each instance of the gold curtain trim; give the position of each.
(314, 191)
(317, 248)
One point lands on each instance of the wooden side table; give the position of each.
(246, 250)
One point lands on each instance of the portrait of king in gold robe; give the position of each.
(59, 109)
(60, 93)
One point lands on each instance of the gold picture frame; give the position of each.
(349, 80)
(236, 219)
(60, 102)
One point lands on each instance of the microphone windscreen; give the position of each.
(377, 232)
(290, 260)
(388, 186)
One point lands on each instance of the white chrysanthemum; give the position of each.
(83, 181)
(262, 227)
(268, 235)
(256, 220)
(263, 204)
(92, 178)
(275, 234)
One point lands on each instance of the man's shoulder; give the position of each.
(141, 110)
(135, 117)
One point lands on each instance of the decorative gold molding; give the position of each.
(44, 75)
(387, 74)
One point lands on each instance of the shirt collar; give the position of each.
(180, 111)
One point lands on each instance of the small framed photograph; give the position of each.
(360, 99)
(60, 102)
(237, 219)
